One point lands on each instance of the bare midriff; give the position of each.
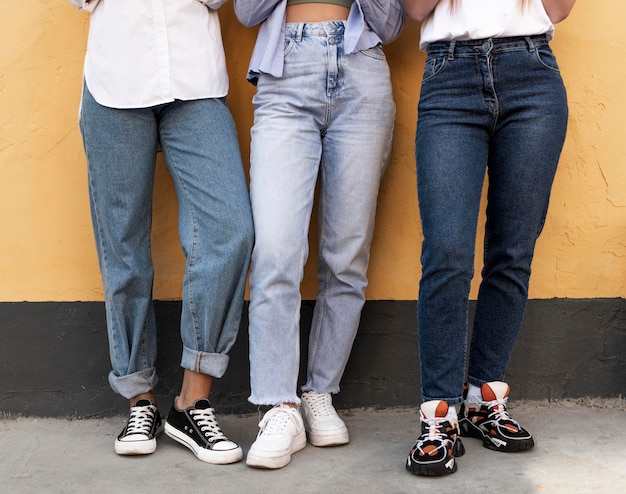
(316, 12)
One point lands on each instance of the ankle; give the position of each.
(195, 386)
(474, 394)
(143, 396)
(182, 402)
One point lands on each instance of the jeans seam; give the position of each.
(192, 247)
(325, 282)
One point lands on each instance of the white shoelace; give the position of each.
(320, 404)
(434, 428)
(205, 418)
(141, 420)
(498, 412)
(433, 433)
(276, 420)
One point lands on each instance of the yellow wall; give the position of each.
(46, 246)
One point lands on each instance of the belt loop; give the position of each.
(531, 43)
(325, 26)
(451, 50)
(299, 31)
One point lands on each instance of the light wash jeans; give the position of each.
(331, 115)
(497, 105)
(200, 146)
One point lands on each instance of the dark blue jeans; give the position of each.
(495, 105)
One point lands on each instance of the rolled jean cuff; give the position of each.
(450, 401)
(478, 382)
(134, 384)
(211, 364)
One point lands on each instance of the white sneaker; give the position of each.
(281, 434)
(323, 425)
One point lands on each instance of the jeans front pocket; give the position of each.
(546, 58)
(433, 66)
(375, 52)
(289, 44)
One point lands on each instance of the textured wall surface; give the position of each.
(46, 245)
(53, 347)
(54, 359)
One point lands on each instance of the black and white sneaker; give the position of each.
(439, 445)
(196, 427)
(141, 430)
(489, 420)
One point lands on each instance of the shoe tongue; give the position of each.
(202, 404)
(435, 408)
(144, 402)
(496, 390)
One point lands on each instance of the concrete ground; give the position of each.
(580, 448)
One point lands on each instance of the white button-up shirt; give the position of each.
(142, 53)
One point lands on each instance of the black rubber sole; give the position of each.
(468, 429)
(443, 467)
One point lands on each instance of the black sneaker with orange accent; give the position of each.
(489, 420)
(435, 450)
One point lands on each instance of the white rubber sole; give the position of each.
(335, 437)
(144, 447)
(275, 459)
(215, 457)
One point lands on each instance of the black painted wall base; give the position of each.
(54, 357)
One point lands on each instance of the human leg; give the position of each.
(216, 234)
(449, 225)
(451, 154)
(451, 158)
(201, 149)
(285, 157)
(282, 180)
(120, 146)
(524, 153)
(355, 154)
(354, 157)
(290, 121)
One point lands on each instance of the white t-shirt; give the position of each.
(479, 19)
(143, 53)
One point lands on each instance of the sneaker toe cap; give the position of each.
(225, 446)
(129, 438)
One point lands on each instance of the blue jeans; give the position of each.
(497, 105)
(200, 146)
(331, 114)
